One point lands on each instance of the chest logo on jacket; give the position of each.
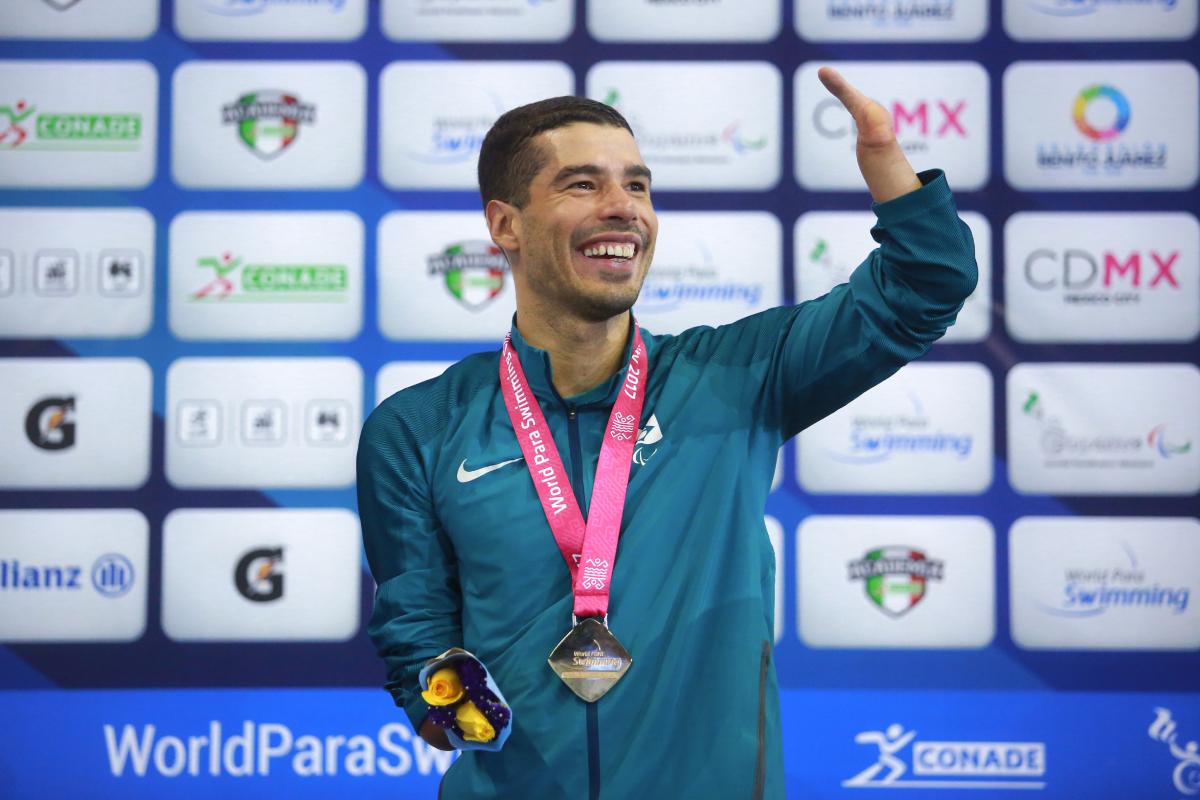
(652, 434)
(467, 475)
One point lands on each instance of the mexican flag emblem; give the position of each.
(896, 578)
(473, 272)
(268, 121)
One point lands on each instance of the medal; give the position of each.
(589, 659)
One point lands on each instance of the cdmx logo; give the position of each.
(1101, 93)
(13, 134)
(257, 575)
(472, 270)
(268, 121)
(50, 423)
(927, 118)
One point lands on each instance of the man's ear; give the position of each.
(504, 224)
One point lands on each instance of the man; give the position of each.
(463, 531)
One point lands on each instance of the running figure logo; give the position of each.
(12, 136)
(223, 266)
(1187, 771)
(889, 742)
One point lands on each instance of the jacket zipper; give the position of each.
(760, 763)
(592, 717)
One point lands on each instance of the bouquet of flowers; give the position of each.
(464, 700)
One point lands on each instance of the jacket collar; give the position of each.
(539, 374)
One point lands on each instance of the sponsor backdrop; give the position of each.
(229, 228)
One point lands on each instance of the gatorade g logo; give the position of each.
(257, 575)
(50, 424)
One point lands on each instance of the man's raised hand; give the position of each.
(880, 158)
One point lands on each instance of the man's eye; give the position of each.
(637, 186)
(582, 185)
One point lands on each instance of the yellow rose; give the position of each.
(474, 724)
(444, 688)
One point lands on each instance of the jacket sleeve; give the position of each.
(417, 611)
(897, 303)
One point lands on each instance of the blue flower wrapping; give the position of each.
(480, 688)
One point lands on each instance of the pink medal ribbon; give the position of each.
(590, 549)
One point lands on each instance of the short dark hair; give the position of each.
(508, 159)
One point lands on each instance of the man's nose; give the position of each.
(616, 203)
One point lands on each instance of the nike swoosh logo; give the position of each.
(467, 475)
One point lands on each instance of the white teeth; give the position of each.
(610, 250)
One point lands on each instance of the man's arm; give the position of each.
(880, 157)
(417, 599)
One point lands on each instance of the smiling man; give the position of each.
(493, 497)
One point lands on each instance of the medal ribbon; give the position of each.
(590, 549)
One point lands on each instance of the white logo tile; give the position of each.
(262, 422)
(74, 423)
(699, 125)
(73, 19)
(1113, 20)
(1105, 583)
(896, 582)
(925, 430)
(706, 21)
(1104, 429)
(271, 20)
(478, 20)
(891, 20)
(442, 278)
(261, 574)
(266, 275)
(1102, 277)
(434, 114)
(76, 124)
(76, 272)
(268, 124)
(73, 576)
(775, 534)
(1101, 125)
(711, 268)
(830, 244)
(939, 111)
(397, 375)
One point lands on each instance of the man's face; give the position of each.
(584, 241)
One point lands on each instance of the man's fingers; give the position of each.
(840, 88)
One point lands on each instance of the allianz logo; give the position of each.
(111, 575)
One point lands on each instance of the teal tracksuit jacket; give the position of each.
(464, 557)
